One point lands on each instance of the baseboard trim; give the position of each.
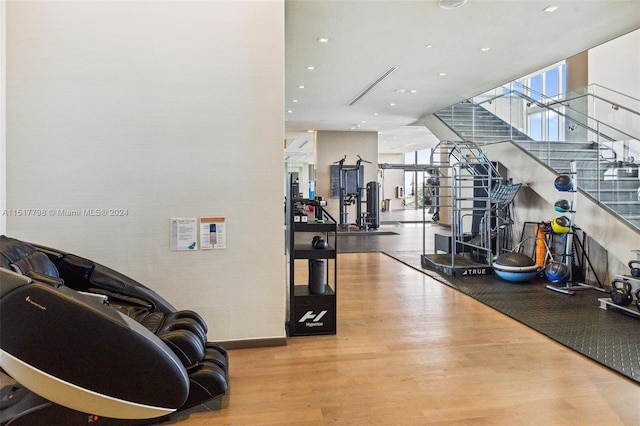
(254, 343)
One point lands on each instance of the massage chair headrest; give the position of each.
(24, 259)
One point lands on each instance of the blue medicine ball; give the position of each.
(557, 273)
(563, 183)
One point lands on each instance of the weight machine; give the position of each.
(350, 193)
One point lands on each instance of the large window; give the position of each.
(546, 86)
(414, 196)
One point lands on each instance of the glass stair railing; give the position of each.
(474, 123)
(608, 107)
(556, 134)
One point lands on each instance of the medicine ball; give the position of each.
(562, 206)
(561, 225)
(563, 183)
(557, 272)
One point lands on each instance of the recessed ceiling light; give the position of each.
(392, 104)
(400, 90)
(413, 91)
(301, 87)
(485, 49)
(451, 4)
(428, 46)
(323, 39)
(442, 74)
(294, 100)
(550, 9)
(311, 68)
(290, 111)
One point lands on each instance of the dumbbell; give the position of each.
(634, 270)
(621, 295)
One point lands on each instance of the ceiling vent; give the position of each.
(360, 95)
(451, 4)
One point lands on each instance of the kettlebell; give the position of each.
(621, 295)
(319, 243)
(635, 271)
(638, 299)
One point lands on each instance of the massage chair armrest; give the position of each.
(82, 274)
(109, 279)
(47, 279)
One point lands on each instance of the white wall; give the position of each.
(165, 109)
(331, 147)
(616, 64)
(3, 117)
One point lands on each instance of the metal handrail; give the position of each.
(543, 105)
(564, 100)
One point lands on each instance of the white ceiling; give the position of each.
(367, 38)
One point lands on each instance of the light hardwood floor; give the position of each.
(412, 351)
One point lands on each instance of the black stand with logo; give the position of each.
(311, 237)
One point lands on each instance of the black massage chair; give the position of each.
(87, 344)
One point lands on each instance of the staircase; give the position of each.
(612, 183)
(474, 123)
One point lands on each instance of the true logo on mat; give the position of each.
(475, 271)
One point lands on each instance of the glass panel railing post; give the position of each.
(625, 150)
(598, 162)
(545, 124)
(548, 152)
(510, 100)
(473, 123)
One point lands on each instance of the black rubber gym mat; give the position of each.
(609, 337)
